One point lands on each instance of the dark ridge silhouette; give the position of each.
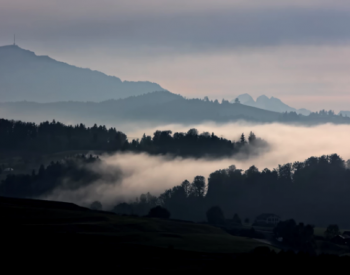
(23, 138)
(159, 107)
(68, 174)
(22, 202)
(47, 231)
(26, 76)
(314, 191)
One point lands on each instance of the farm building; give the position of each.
(267, 220)
(339, 239)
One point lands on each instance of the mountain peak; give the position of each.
(11, 47)
(276, 99)
(245, 98)
(271, 104)
(27, 76)
(14, 50)
(262, 98)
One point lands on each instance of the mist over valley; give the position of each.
(174, 136)
(123, 177)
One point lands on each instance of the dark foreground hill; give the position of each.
(26, 76)
(38, 234)
(59, 218)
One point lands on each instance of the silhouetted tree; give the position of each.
(332, 231)
(287, 189)
(225, 102)
(50, 137)
(215, 215)
(300, 236)
(198, 187)
(236, 219)
(252, 137)
(68, 174)
(242, 139)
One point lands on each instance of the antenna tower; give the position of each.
(14, 40)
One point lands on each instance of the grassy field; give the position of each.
(63, 218)
(319, 231)
(184, 236)
(331, 248)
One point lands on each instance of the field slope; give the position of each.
(34, 217)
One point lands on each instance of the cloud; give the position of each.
(198, 48)
(197, 25)
(312, 77)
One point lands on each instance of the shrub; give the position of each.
(215, 215)
(159, 212)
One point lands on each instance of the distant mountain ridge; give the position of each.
(26, 76)
(156, 108)
(272, 104)
(151, 107)
(345, 113)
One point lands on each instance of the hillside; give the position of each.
(24, 217)
(26, 76)
(156, 107)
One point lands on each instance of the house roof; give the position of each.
(338, 236)
(266, 215)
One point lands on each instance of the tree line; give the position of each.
(314, 191)
(70, 173)
(320, 117)
(51, 137)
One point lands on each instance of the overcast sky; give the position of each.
(296, 50)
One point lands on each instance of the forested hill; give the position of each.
(26, 76)
(314, 191)
(53, 137)
(157, 108)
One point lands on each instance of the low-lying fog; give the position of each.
(142, 173)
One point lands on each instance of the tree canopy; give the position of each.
(52, 137)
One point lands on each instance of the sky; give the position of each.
(296, 50)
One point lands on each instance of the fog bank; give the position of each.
(142, 173)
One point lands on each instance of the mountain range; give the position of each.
(156, 108)
(37, 88)
(26, 76)
(271, 104)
